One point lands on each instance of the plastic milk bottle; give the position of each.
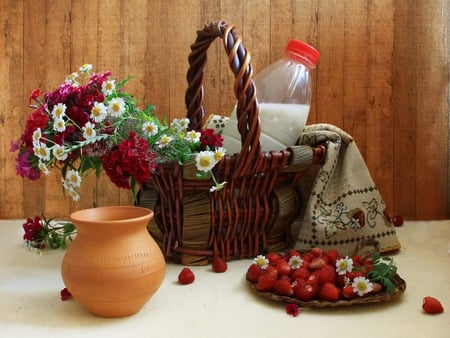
(283, 90)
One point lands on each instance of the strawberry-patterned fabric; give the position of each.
(344, 206)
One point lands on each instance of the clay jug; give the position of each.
(113, 266)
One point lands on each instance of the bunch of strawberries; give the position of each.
(314, 275)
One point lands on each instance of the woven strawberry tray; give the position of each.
(325, 279)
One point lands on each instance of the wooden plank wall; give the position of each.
(383, 77)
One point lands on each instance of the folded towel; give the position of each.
(344, 207)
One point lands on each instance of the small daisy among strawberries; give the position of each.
(344, 265)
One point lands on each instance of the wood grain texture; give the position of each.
(383, 77)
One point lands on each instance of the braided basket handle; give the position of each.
(244, 90)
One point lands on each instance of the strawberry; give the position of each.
(357, 260)
(355, 273)
(314, 277)
(272, 271)
(266, 282)
(308, 257)
(253, 273)
(219, 265)
(330, 292)
(376, 287)
(292, 253)
(301, 273)
(348, 292)
(397, 221)
(273, 258)
(305, 291)
(283, 268)
(332, 256)
(317, 263)
(432, 305)
(317, 252)
(186, 276)
(283, 287)
(327, 274)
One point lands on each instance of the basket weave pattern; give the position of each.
(255, 209)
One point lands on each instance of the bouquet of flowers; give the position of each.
(96, 126)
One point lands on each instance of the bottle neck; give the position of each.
(303, 59)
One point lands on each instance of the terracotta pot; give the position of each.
(113, 267)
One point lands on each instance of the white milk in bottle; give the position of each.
(283, 91)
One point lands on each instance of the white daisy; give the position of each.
(150, 128)
(205, 161)
(362, 285)
(261, 261)
(108, 87)
(59, 111)
(164, 141)
(295, 262)
(344, 265)
(73, 179)
(37, 134)
(59, 153)
(116, 107)
(219, 153)
(89, 131)
(99, 112)
(193, 136)
(59, 125)
(86, 68)
(42, 152)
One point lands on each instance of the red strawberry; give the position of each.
(273, 258)
(283, 268)
(186, 276)
(329, 292)
(317, 252)
(307, 257)
(327, 274)
(266, 282)
(272, 271)
(356, 273)
(317, 263)
(301, 273)
(253, 273)
(348, 292)
(332, 256)
(292, 253)
(305, 291)
(283, 287)
(219, 265)
(377, 287)
(432, 305)
(357, 260)
(314, 277)
(341, 280)
(397, 221)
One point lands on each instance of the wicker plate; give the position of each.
(380, 297)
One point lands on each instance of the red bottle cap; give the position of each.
(300, 50)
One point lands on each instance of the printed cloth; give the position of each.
(344, 209)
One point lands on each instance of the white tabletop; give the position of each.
(222, 305)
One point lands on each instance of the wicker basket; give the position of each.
(255, 210)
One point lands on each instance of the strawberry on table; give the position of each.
(432, 305)
(219, 265)
(186, 276)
